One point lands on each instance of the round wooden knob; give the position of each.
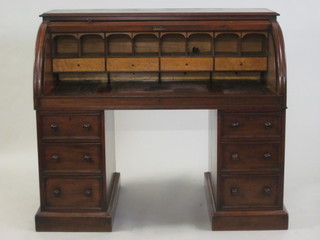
(87, 157)
(235, 124)
(88, 192)
(55, 157)
(234, 190)
(267, 156)
(267, 189)
(87, 126)
(54, 126)
(268, 124)
(57, 192)
(235, 156)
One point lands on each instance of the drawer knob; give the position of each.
(235, 124)
(267, 156)
(268, 124)
(241, 64)
(235, 156)
(87, 126)
(88, 192)
(187, 64)
(87, 157)
(55, 157)
(267, 189)
(57, 192)
(132, 65)
(234, 190)
(54, 126)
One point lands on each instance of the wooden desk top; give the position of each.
(163, 14)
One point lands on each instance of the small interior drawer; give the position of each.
(73, 193)
(238, 156)
(70, 127)
(250, 192)
(132, 64)
(250, 125)
(241, 64)
(79, 65)
(66, 157)
(186, 64)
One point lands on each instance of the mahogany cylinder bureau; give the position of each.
(91, 62)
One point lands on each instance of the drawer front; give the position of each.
(186, 64)
(238, 156)
(250, 192)
(69, 193)
(132, 64)
(70, 127)
(241, 64)
(244, 125)
(71, 157)
(79, 65)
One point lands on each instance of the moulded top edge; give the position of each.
(164, 12)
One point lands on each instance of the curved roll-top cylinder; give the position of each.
(221, 48)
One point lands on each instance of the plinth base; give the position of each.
(243, 220)
(81, 221)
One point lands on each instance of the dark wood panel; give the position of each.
(250, 192)
(250, 156)
(72, 158)
(55, 126)
(73, 193)
(250, 125)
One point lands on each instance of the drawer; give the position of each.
(132, 64)
(240, 64)
(250, 125)
(237, 156)
(79, 65)
(73, 193)
(186, 64)
(70, 127)
(71, 157)
(250, 192)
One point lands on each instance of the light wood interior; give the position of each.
(227, 44)
(92, 45)
(199, 44)
(66, 46)
(132, 64)
(146, 45)
(119, 45)
(254, 44)
(241, 64)
(186, 64)
(79, 65)
(173, 44)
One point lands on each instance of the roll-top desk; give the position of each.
(91, 62)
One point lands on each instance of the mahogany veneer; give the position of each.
(91, 62)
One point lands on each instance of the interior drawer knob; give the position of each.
(235, 156)
(54, 126)
(56, 157)
(267, 189)
(87, 157)
(57, 192)
(235, 124)
(267, 156)
(88, 192)
(234, 190)
(268, 124)
(87, 126)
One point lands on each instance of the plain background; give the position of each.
(161, 154)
